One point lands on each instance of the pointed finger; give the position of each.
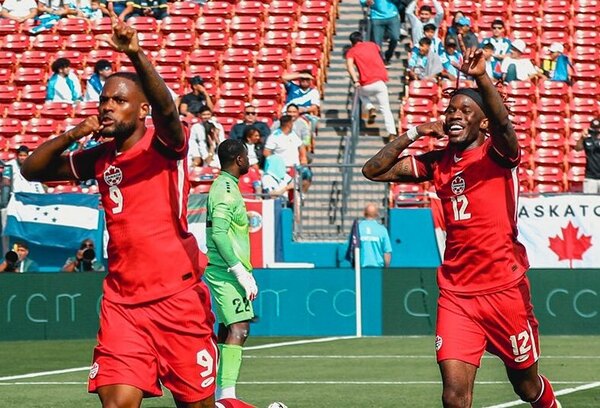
(461, 44)
(114, 19)
(107, 39)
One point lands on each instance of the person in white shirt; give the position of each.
(14, 178)
(205, 137)
(19, 10)
(102, 70)
(517, 68)
(63, 85)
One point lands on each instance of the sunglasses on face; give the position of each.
(250, 113)
(497, 28)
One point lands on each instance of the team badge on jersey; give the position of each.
(113, 176)
(458, 185)
(94, 370)
(438, 343)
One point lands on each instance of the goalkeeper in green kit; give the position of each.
(228, 274)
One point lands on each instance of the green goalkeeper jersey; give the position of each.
(227, 235)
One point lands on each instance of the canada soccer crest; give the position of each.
(113, 176)
(458, 185)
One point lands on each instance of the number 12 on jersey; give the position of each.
(459, 206)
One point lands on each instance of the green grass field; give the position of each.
(310, 372)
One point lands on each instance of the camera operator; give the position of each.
(16, 260)
(84, 260)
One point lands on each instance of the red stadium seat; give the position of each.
(268, 72)
(228, 107)
(562, 7)
(75, 57)
(188, 9)
(279, 23)
(586, 7)
(150, 41)
(585, 37)
(80, 42)
(15, 43)
(8, 26)
(56, 110)
(521, 106)
(41, 127)
(207, 72)
(420, 106)
(35, 58)
(550, 123)
(278, 39)
(586, 71)
(211, 24)
(29, 75)
(246, 39)
(272, 56)
(556, 22)
(523, 22)
(313, 23)
(267, 90)
(234, 73)
(246, 23)
(580, 122)
(585, 89)
(549, 37)
(311, 39)
(5, 75)
(549, 157)
(241, 56)
(8, 60)
(522, 123)
(250, 8)
(180, 41)
(47, 42)
(525, 140)
(8, 94)
(85, 109)
(554, 140)
(213, 40)
(10, 127)
(204, 56)
(576, 159)
(170, 73)
(580, 105)
(552, 106)
(408, 121)
(31, 141)
(35, 92)
(425, 88)
(235, 90)
(73, 25)
(521, 89)
(574, 177)
(553, 89)
(307, 54)
(284, 8)
(101, 26)
(267, 108)
(143, 24)
(467, 7)
(176, 24)
(406, 194)
(218, 9)
(524, 7)
(585, 53)
(495, 8)
(169, 56)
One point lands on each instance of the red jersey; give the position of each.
(367, 58)
(144, 193)
(478, 189)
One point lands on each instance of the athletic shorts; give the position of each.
(502, 323)
(229, 296)
(171, 340)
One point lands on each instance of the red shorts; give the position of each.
(171, 340)
(501, 323)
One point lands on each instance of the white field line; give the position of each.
(43, 373)
(558, 393)
(393, 356)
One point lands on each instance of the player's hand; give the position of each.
(124, 38)
(433, 129)
(473, 63)
(89, 126)
(245, 279)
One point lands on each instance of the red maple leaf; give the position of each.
(570, 246)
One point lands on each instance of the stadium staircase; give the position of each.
(322, 215)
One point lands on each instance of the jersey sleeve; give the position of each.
(83, 162)
(500, 158)
(386, 243)
(170, 151)
(422, 165)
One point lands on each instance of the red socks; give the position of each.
(546, 399)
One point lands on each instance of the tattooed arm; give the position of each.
(386, 165)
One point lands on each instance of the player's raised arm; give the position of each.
(386, 165)
(502, 132)
(164, 111)
(47, 163)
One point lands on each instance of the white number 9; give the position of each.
(117, 197)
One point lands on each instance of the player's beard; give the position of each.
(120, 130)
(244, 170)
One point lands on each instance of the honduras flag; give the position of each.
(55, 220)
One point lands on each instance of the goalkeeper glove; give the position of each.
(245, 279)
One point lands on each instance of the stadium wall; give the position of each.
(300, 302)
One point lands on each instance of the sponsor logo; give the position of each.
(456, 158)
(113, 176)
(520, 359)
(94, 370)
(255, 221)
(438, 343)
(458, 185)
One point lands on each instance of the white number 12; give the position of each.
(459, 205)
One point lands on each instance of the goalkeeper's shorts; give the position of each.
(229, 296)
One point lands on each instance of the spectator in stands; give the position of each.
(193, 102)
(424, 62)
(19, 10)
(276, 182)
(463, 27)
(116, 6)
(205, 137)
(301, 128)
(303, 94)
(102, 70)
(50, 11)
(430, 31)
(369, 77)
(250, 183)
(287, 144)
(451, 55)
(425, 16)
(237, 131)
(11, 175)
(63, 86)
(453, 29)
(91, 9)
(498, 39)
(158, 9)
(492, 65)
(557, 66)
(375, 244)
(255, 147)
(384, 20)
(590, 143)
(517, 68)
(84, 260)
(17, 260)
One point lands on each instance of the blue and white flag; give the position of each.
(56, 220)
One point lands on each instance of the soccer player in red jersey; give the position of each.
(484, 302)
(156, 326)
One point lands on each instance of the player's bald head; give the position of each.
(371, 211)
(130, 80)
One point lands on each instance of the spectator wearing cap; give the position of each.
(11, 175)
(492, 65)
(450, 56)
(557, 66)
(498, 39)
(63, 85)
(515, 67)
(22, 263)
(102, 70)
(425, 16)
(145, 8)
(370, 76)
(192, 102)
(590, 143)
(463, 27)
(424, 61)
(384, 19)
(19, 10)
(250, 119)
(299, 91)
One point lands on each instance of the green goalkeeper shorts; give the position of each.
(229, 296)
